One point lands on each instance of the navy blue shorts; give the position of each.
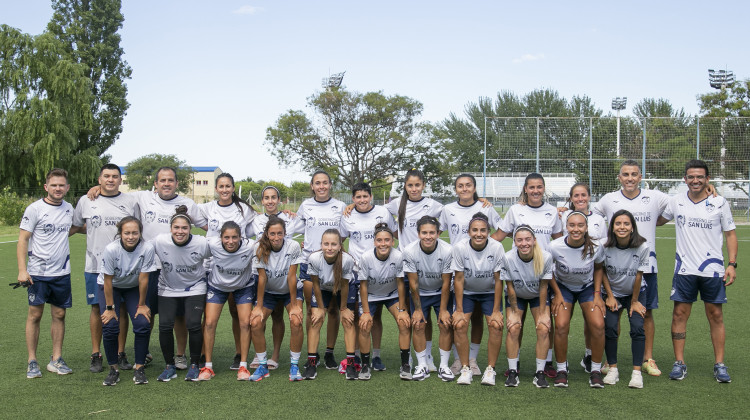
(522, 304)
(351, 299)
(583, 296)
(303, 272)
(270, 300)
(651, 298)
(375, 306)
(91, 286)
(486, 302)
(685, 288)
(241, 296)
(434, 303)
(53, 290)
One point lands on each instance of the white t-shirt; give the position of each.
(125, 267)
(318, 266)
(360, 229)
(479, 267)
(646, 208)
(49, 250)
(216, 215)
(429, 267)
(277, 267)
(543, 220)
(455, 219)
(231, 271)
(258, 225)
(182, 272)
(623, 265)
(571, 269)
(699, 227)
(597, 226)
(155, 212)
(521, 273)
(101, 217)
(414, 211)
(317, 218)
(381, 276)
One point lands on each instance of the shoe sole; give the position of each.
(722, 382)
(141, 382)
(57, 371)
(488, 383)
(420, 379)
(379, 369)
(106, 384)
(512, 385)
(167, 379)
(679, 378)
(561, 385)
(297, 379)
(33, 376)
(635, 386)
(541, 386)
(261, 378)
(405, 377)
(463, 383)
(243, 379)
(597, 386)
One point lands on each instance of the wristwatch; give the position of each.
(110, 307)
(732, 264)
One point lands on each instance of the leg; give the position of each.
(277, 330)
(649, 331)
(57, 330)
(111, 331)
(213, 313)
(350, 333)
(377, 329)
(680, 316)
(256, 329)
(95, 327)
(715, 315)
(542, 331)
(235, 325)
(332, 329)
(611, 335)
(637, 340)
(141, 326)
(124, 327)
(595, 319)
(445, 339)
(295, 325)
(496, 341)
(194, 306)
(181, 332)
(512, 341)
(460, 337)
(33, 319)
(477, 332)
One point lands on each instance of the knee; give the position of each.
(256, 324)
(193, 325)
(58, 314)
(295, 323)
(111, 329)
(446, 329)
(498, 332)
(210, 325)
(542, 331)
(637, 333)
(679, 314)
(141, 326)
(613, 333)
(715, 315)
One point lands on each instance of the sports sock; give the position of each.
(513, 364)
(329, 350)
(540, 364)
(405, 356)
(243, 364)
(445, 355)
(422, 358)
(596, 367)
(294, 356)
(262, 358)
(365, 358)
(210, 365)
(562, 366)
(549, 355)
(375, 353)
(588, 352)
(473, 351)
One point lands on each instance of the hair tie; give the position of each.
(175, 216)
(524, 227)
(577, 212)
(278, 193)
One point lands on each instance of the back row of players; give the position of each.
(156, 265)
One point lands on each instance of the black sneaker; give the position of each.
(561, 379)
(540, 380)
(405, 372)
(310, 371)
(112, 378)
(351, 372)
(512, 378)
(139, 376)
(235, 363)
(330, 362)
(149, 359)
(586, 363)
(122, 361)
(595, 380)
(96, 363)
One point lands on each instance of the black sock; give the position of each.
(366, 359)
(329, 350)
(404, 356)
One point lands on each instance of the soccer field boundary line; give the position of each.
(9, 242)
(673, 238)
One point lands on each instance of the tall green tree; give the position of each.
(141, 172)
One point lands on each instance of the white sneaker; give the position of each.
(431, 364)
(613, 376)
(255, 363)
(636, 380)
(445, 374)
(466, 376)
(420, 373)
(456, 367)
(488, 378)
(474, 367)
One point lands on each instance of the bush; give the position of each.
(12, 207)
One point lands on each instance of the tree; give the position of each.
(141, 172)
(356, 137)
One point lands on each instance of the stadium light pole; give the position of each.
(618, 104)
(721, 79)
(333, 81)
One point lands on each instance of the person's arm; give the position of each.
(730, 274)
(661, 221)
(403, 312)
(417, 315)
(320, 312)
(348, 210)
(497, 311)
(108, 314)
(458, 290)
(22, 251)
(499, 235)
(77, 229)
(143, 309)
(445, 295)
(556, 235)
(598, 274)
(261, 293)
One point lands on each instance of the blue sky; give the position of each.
(210, 76)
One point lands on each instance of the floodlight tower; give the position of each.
(618, 104)
(333, 81)
(721, 79)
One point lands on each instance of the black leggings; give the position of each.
(168, 308)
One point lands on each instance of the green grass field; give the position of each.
(82, 395)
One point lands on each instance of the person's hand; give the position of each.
(289, 213)
(365, 321)
(94, 192)
(347, 316)
(558, 304)
(612, 303)
(445, 318)
(599, 304)
(317, 315)
(459, 318)
(496, 319)
(257, 313)
(348, 210)
(561, 211)
(417, 318)
(403, 319)
(296, 311)
(543, 320)
(638, 308)
(513, 317)
(711, 190)
(485, 202)
(108, 315)
(143, 310)
(730, 275)
(25, 279)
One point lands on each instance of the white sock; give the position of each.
(210, 365)
(422, 358)
(562, 366)
(549, 355)
(588, 352)
(445, 356)
(473, 351)
(540, 364)
(358, 353)
(294, 356)
(455, 352)
(262, 358)
(428, 347)
(596, 367)
(243, 364)
(375, 353)
(513, 364)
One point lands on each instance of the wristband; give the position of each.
(368, 312)
(597, 292)
(110, 307)
(401, 310)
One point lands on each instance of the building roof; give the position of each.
(195, 169)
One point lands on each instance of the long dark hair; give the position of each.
(264, 245)
(588, 244)
(524, 198)
(235, 198)
(405, 197)
(636, 239)
(338, 270)
(318, 172)
(473, 181)
(570, 194)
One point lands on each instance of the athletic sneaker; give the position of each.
(488, 378)
(311, 371)
(550, 371)
(206, 373)
(420, 373)
(475, 371)
(540, 380)
(33, 371)
(149, 359)
(112, 378)
(294, 374)
(612, 377)
(456, 367)
(255, 363)
(180, 362)
(122, 361)
(236, 362)
(364, 373)
(405, 372)
(586, 363)
(636, 380)
(243, 374)
(512, 378)
(431, 364)
(192, 373)
(351, 372)
(272, 364)
(58, 366)
(330, 362)
(679, 371)
(96, 363)
(170, 372)
(377, 364)
(561, 379)
(139, 376)
(260, 373)
(445, 374)
(465, 377)
(507, 371)
(595, 379)
(721, 374)
(649, 366)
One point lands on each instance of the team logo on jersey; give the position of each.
(636, 259)
(681, 220)
(96, 221)
(596, 226)
(334, 209)
(425, 207)
(219, 268)
(195, 255)
(491, 259)
(150, 216)
(117, 272)
(48, 228)
(730, 221)
(440, 263)
(378, 219)
(454, 229)
(645, 200)
(518, 283)
(503, 271)
(547, 216)
(710, 207)
(392, 266)
(24, 221)
(467, 272)
(213, 224)
(244, 257)
(311, 222)
(122, 208)
(166, 266)
(563, 268)
(611, 269)
(356, 236)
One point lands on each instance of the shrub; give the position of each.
(12, 207)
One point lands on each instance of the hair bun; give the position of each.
(181, 209)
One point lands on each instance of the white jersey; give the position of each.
(258, 225)
(381, 276)
(571, 269)
(216, 215)
(126, 266)
(231, 271)
(155, 212)
(429, 267)
(597, 226)
(623, 265)
(316, 218)
(699, 227)
(182, 272)
(414, 211)
(360, 229)
(645, 207)
(542, 219)
(318, 266)
(49, 250)
(521, 273)
(479, 267)
(455, 219)
(101, 217)
(277, 267)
